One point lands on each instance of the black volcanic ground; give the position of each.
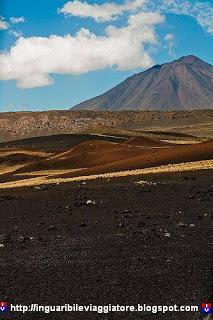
(57, 249)
(143, 239)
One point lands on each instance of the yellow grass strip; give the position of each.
(182, 141)
(10, 169)
(49, 173)
(9, 152)
(180, 167)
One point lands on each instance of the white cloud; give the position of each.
(170, 43)
(202, 12)
(31, 61)
(100, 12)
(33, 81)
(3, 24)
(169, 37)
(15, 20)
(15, 33)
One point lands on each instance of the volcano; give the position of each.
(184, 84)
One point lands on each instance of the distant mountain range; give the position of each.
(184, 84)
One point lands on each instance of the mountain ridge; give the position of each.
(183, 84)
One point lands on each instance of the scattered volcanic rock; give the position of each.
(52, 228)
(5, 238)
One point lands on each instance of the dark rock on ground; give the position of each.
(156, 263)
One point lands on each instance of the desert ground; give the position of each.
(47, 160)
(22, 125)
(107, 219)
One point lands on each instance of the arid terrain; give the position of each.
(106, 160)
(43, 160)
(144, 239)
(21, 125)
(121, 215)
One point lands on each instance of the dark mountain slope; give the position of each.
(184, 84)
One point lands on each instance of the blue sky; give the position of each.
(46, 62)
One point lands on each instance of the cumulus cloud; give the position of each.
(31, 61)
(100, 12)
(201, 11)
(3, 24)
(15, 20)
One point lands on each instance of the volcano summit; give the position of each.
(184, 84)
